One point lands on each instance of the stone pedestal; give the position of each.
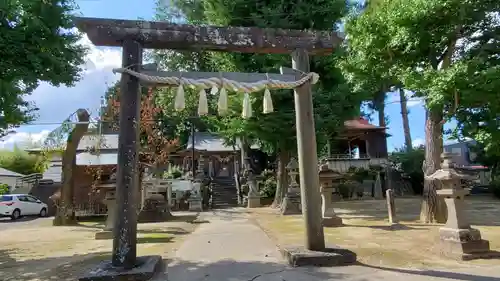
(107, 232)
(253, 201)
(326, 178)
(291, 204)
(330, 218)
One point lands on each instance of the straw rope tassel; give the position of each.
(247, 107)
(203, 103)
(180, 102)
(268, 102)
(222, 102)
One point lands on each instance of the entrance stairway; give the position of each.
(224, 193)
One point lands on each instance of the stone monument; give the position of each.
(154, 206)
(291, 203)
(377, 187)
(326, 181)
(391, 206)
(195, 201)
(457, 238)
(251, 182)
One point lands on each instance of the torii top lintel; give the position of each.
(162, 35)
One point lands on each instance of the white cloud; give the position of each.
(411, 101)
(23, 139)
(57, 103)
(418, 142)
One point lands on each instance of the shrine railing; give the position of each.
(342, 162)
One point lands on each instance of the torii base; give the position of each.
(147, 267)
(465, 244)
(330, 256)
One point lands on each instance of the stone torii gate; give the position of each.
(133, 36)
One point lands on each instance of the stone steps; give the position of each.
(224, 193)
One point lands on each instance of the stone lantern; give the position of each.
(110, 202)
(458, 239)
(326, 181)
(291, 203)
(253, 197)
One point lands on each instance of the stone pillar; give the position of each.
(291, 203)
(200, 172)
(169, 194)
(195, 200)
(391, 207)
(457, 238)
(211, 172)
(377, 192)
(110, 201)
(326, 177)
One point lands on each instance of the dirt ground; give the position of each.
(367, 232)
(38, 251)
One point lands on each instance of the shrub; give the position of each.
(410, 164)
(495, 188)
(21, 162)
(174, 173)
(269, 186)
(4, 188)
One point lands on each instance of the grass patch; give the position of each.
(410, 244)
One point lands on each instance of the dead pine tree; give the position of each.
(65, 214)
(155, 146)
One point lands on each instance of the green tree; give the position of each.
(333, 100)
(21, 162)
(439, 49)
(36, 45)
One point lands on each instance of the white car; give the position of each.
(17, 205)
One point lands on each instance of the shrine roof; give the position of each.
(205, 141)
(102, 142)
(361, 124)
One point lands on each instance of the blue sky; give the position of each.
(57, 103)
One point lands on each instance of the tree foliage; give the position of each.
(155, 145)
(21, 162)
(36, 45)
(333, 99)
(445, 51)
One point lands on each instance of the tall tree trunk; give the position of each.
(433, 208)
(281, 178)
(406, 123)
(379, 105)
(65, 214)
(381, 115)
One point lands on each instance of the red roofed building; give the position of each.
(360, 144)
(369, 140)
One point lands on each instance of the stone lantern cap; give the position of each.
(447, 173)
(292, 165)
(325, 173)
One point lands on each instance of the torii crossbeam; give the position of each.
(133, 36)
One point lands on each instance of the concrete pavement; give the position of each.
(229, 247)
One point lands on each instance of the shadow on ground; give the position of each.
(69, 268)
(232, 270)
(66, 268)
(435, 273)
(480, 210)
